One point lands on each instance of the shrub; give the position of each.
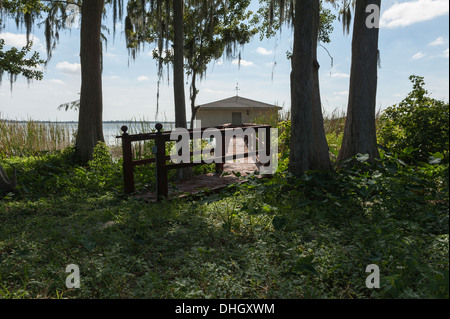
(418, 123)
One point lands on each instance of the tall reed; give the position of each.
(272, 117)
(334, 122)
(29, 138)
(140, 149)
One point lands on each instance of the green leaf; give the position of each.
(237, 174)
(279, 222)
(409, 150)
(267, 208)
(88, 244)
(305, 265)
(438, 155)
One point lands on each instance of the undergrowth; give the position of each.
(283, 237)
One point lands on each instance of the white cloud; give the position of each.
(143, 78)
(410, 12)
(19, 40)
(15, 40)
(69, 68)
(263, 51)
(215, 91)
(56, 81)
(242, 62)
(339, 75)
(438, 41)
(417, 56)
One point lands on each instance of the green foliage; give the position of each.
(283, 237)
(23, 6)
(209, 32)
(278, 237)
(14, 63)
(58, 173)
(417, 127)
(388, 213)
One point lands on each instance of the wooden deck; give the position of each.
(212, 182)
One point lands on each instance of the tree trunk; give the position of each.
(308, 144)
(322, 154)
(7, 184)
(178, 75)
(360, 130)
(178, 64)
(90, 126)
(193, 97)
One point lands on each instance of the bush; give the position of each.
(418, 123)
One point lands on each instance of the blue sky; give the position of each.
(414, 39)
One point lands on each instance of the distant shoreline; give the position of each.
(75, 122)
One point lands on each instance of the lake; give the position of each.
(112, 129)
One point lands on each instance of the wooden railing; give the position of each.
(161, 158)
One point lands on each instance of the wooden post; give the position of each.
(268, 143)
(162, 187)
(128, 173)
(219, 166)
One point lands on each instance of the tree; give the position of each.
(202, 33)
(90, 120)
(417, 127)
(309, 150)
(272, 15)
(178, 64)
(178, 75)
(15, 62)
(164, 18)
(90, 106)
(212, 29)
(360, 126)
(90, 127)
(308, 145)
(7, 184)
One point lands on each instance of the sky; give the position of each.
(413, 40)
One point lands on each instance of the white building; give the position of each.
(235, 110)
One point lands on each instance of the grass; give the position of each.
(29, 138)
(311, 237)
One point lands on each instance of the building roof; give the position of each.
(236, 102)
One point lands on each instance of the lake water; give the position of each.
(112, 129)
